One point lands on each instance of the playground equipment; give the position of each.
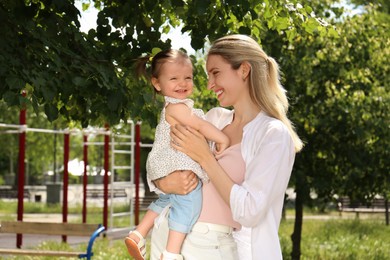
(117, 144)
(69, 229)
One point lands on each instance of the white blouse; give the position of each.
(268, 152)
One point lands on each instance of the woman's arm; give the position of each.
(178, 182)
(269, 156)
(192, 143)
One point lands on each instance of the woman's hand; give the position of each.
(190, 142)
(178, 182)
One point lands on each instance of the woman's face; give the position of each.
(175, 80)
(226, 82)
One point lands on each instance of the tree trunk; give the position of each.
(284, 207)
(387, 210)
(297, 233)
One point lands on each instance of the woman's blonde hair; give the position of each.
(265, 88)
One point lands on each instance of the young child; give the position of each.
(172, 77)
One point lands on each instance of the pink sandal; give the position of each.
(136, 250)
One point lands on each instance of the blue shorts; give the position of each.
(184, 209)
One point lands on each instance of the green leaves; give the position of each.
(51, 112)
(87, 74)
(341, 98)
(14, 83)
(114, 101)
(11, 98)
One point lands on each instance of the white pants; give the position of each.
(206, 244)
(243, 240)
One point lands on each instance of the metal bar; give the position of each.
(122, 151)
(122, 214)
(137, 170)
(125, 136)
(146, 145)
(85, 178)
(10, 132)
(21, 171)
(124, 143)
(122, 167)
(65, 181)
(9, 125)
(94, 143)
(106, 165)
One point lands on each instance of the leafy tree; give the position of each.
(341, 99)
(89, 77)
(382, 5)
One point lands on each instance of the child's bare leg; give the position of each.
(135, 241)
(145, 225)
(175, 241)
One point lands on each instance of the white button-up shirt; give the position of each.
(268, 151)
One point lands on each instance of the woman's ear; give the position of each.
(245, 69)
(155, 84)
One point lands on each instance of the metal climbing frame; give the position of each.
(122, 159)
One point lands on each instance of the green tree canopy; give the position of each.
(341, 103)
(89, 77)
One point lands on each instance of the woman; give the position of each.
(245, 78)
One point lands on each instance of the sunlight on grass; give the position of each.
(339, 239)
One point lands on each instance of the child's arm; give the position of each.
(182, 114)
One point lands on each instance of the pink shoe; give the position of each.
(136, 250)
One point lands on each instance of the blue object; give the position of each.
(95, 234)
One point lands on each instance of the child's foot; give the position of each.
(170, 256)
(135, 244)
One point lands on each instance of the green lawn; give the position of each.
(339, 239)
(327, 237)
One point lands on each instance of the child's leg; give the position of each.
(175, 241)
(135, 241)
(184, 212)
(145, 225)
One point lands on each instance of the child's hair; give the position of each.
(150, 67)
(265, 88)
(170, 55)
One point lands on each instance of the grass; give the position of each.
(322, 238)
(94, 213)
(339, 239)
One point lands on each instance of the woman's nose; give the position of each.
(210, 85)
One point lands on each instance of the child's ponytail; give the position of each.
(141, 67)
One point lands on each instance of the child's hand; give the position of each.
(219, 148)
(222, 145)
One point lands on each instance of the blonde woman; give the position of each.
(263, 145)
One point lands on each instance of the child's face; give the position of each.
(175, 80)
